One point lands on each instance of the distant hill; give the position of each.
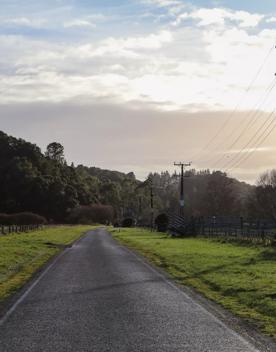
(43, 183)
(108, 175)
(31, 180)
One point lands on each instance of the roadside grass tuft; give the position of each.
(241, 278)
(21, 255)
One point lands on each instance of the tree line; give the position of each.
(43, 183)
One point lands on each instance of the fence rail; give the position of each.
(7, 229)
(224, 227)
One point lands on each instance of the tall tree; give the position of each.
(263, 201)
(55, 151)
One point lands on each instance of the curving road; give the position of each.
(98, 296)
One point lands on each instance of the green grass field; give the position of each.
(23, 254)
(242, 278)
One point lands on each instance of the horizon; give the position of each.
(133, 86)
(126, 172)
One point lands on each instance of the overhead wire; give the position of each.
(254, 110)
(259, 141)
(231, 135)
(253, 117)
(266, 124)
(231, 114)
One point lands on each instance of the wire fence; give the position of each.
(8, 229)
(224, 227)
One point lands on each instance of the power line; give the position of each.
(220, 130)
(262, 130)
(255, 111)
(251, 121)
(261, 139)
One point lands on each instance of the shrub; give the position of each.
(22, 219)
(128, 222)
(91, 214)
(162, 222)
(27, 219)
(5, 219)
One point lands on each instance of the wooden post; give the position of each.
(242, 225)
(202, 226)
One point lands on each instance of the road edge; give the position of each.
(241, 327)
(16, 298)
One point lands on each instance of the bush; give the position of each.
(91, 214)
(27, 219)
(22, 219)
(162, 222)
(128, 222)
(5, 219)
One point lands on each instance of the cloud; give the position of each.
(250, 150)
(172, 7)
(182, 67)
(151, 41)
(180, 18)
(24, 22)
(159, 137)
(271, 20)
(79, 23)
(247, 19)
(218, 16)
(163, 3)
(89, 21)
(168, 83)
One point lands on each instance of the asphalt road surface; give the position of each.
(98, 296)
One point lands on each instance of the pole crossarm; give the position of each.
(183, 164)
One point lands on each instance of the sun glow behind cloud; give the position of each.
(158, 55)
(195, 60)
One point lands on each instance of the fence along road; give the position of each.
(261, 231)
(98, 296)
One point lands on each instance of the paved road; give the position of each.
(100, 297)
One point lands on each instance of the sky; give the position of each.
(136, 85)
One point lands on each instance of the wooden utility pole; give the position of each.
(151, 205)
(181, 200)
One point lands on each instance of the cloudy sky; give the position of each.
(136, 85)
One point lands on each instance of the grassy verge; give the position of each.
(23, 254)
(242, 278)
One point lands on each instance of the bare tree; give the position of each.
(264, 200)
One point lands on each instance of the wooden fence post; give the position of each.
(202, 226)
(242, 225)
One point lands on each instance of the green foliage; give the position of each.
(44, 184)
(55, 151)
(92, 214)
(240, 277)
(263, 200)
(22, 219)
(5, 219)
(162, 222)
(206, 193)
(128, 222)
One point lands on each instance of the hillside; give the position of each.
(42, 182)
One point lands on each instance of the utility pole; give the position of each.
(181, 200)
(151, 205)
